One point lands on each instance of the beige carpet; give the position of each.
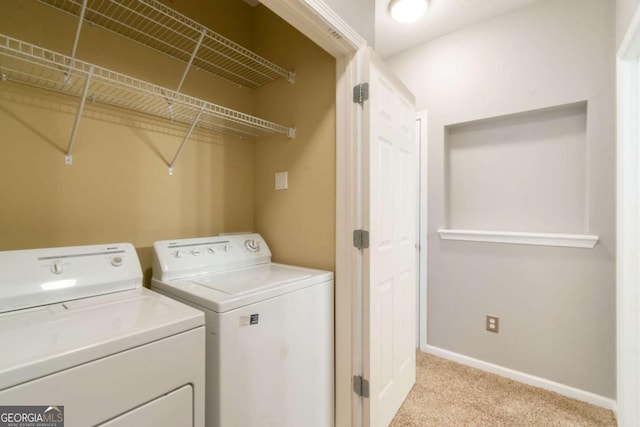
(449, 394)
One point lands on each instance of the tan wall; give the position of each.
(298, 223)
(118, 188)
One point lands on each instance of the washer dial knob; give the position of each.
(116, 261)
(252, 245)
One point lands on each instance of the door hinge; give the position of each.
(360, 386)
(361, 239)
(361, 93)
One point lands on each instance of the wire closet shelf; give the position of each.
(155, 25)
(35, 66)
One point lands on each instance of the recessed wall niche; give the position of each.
(524, 172)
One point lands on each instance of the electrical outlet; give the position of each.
(493, 323)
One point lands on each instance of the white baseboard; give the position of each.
(532, 380)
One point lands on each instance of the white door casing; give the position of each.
(421, 229)
(389, 292)
(628, 226)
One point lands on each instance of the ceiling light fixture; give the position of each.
(407, 10)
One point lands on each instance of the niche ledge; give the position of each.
(518, 238)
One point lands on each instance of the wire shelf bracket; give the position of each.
(193, 55)
(159, 27)
(68, 158)
(184, 141)
(76, 39)
(34, 66)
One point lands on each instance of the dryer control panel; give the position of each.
(35, 277)
(177, 259)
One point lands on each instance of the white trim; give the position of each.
(630, 47)
(320, 23)
(348, 270)
(423, 219)
(628, 226)
(357, 167)
(337, 24)
(520, 238)
(522, 377)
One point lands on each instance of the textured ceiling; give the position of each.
(442, 17)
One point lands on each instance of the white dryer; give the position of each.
(269, 329)
(81, 335)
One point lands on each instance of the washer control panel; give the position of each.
(174, 259)
(193, 249)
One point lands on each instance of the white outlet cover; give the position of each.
(282, 180)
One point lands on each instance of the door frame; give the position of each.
(423, 220)
(628, 226)
(322, 25)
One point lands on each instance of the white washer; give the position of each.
(78, 331)
(269, 329)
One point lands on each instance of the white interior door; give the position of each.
(389, 291)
